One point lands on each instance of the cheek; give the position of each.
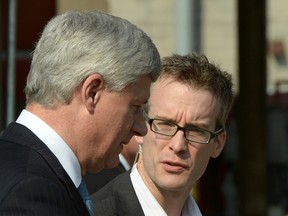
(125, 118)
(200, 159)
(149, 151)
(120, 121)
(153, 151)
(149, 165)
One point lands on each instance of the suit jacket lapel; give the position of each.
(20, 134)
(126, 199)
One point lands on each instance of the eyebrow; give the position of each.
(188, 125)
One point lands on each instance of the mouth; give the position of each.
(174, 167)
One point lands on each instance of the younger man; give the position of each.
(185, 116)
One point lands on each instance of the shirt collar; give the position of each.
(55, 143)
(124, 162)
(148, 202)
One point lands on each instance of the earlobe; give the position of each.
(219, 144)
(91, 89)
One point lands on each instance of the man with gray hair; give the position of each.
(90, 75)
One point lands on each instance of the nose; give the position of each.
(139, 126)
(178, 142)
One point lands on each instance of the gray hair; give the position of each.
(75, 45)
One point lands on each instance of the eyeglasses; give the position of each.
(192, 134)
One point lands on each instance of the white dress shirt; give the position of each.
(55, 143)
(150, 205)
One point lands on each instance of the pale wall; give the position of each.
(219, 30)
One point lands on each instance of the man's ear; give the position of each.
(219, 144)
(91, 90)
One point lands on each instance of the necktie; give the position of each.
(85, 196)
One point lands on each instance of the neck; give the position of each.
(172, 202)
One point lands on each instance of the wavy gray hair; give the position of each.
(75, 45)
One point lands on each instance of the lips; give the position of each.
(174, 167)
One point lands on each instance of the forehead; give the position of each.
(177, 100)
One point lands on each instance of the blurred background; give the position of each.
(247, 38)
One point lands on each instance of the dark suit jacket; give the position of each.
(32, 181)
(95, 181)
(118, 197)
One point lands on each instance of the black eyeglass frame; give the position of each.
(212, 134)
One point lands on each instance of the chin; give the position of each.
(172, 184)
(171, 187)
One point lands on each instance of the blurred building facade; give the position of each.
(218, 29)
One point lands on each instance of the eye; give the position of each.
(136, 108)
(196, 131)
(164, 124)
